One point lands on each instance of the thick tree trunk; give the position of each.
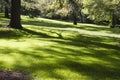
(6, 12)
(15, 21)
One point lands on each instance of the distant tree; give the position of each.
(35, 8)
(7, 5)
(103, 10)
(75, 8)
(2, 5)
(15, 21)
(30, 8)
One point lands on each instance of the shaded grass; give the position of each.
(41, 51)
(59, 24)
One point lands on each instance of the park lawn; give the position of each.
(51, 50)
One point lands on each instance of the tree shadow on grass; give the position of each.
(61, 54)
(47, 24)
(6, 33)
(58, 25)
(98, 49)
(10, 34)
(62, 60)
(94, 70)
(98, 28)
(39, 34)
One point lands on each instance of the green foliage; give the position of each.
(2, 3)
(99, 11)
(30, 8)
(102, 10)
(36, 8)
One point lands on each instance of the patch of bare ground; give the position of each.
(14, 75)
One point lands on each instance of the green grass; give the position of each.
(53, 50)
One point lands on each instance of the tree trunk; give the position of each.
(113, 20)
(6, 12)
(82, 19)
(15, 21)
(74, 18)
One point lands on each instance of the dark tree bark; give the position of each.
(114, 19)
(82, 18)
(15, 21)
(6, 12)
(74, 18)
(7, 8)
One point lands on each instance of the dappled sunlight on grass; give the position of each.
(58, 58)
(41, 22)
(53, 51)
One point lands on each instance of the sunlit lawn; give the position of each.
(56, 50)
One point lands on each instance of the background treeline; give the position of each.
(85, 11)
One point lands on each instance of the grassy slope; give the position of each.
(50, 49)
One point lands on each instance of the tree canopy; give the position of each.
(96, 11)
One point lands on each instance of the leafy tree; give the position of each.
(103, 10)
(5, 7)
(30, 8)
(74, 8)
(2, 4)
(35, 8)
